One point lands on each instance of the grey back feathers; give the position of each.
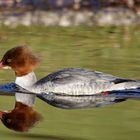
(75, 81)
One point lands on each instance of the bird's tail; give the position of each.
(11, 88)
(127, 93)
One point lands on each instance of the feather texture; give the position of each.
(75, 81)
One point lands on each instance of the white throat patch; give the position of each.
(26, 82)
(6, 67)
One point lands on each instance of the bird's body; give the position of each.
(79, 88)
(76, 81)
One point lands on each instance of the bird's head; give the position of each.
(22, 118)
(20, 59)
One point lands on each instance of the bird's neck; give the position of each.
(26, 82)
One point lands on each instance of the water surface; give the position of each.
(114, 50)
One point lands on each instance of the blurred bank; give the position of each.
(69, 12)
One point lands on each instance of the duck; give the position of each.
(21, 60)
(70, 88)
(75, 88)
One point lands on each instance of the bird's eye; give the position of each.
(9, 60)
(8, 120)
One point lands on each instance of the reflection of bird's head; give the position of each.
(22, 118)
(20, 59)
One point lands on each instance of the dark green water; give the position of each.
(114, 50)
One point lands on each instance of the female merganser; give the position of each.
(79, 88)
(23, 62)
(68, 88)
(73, 88)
